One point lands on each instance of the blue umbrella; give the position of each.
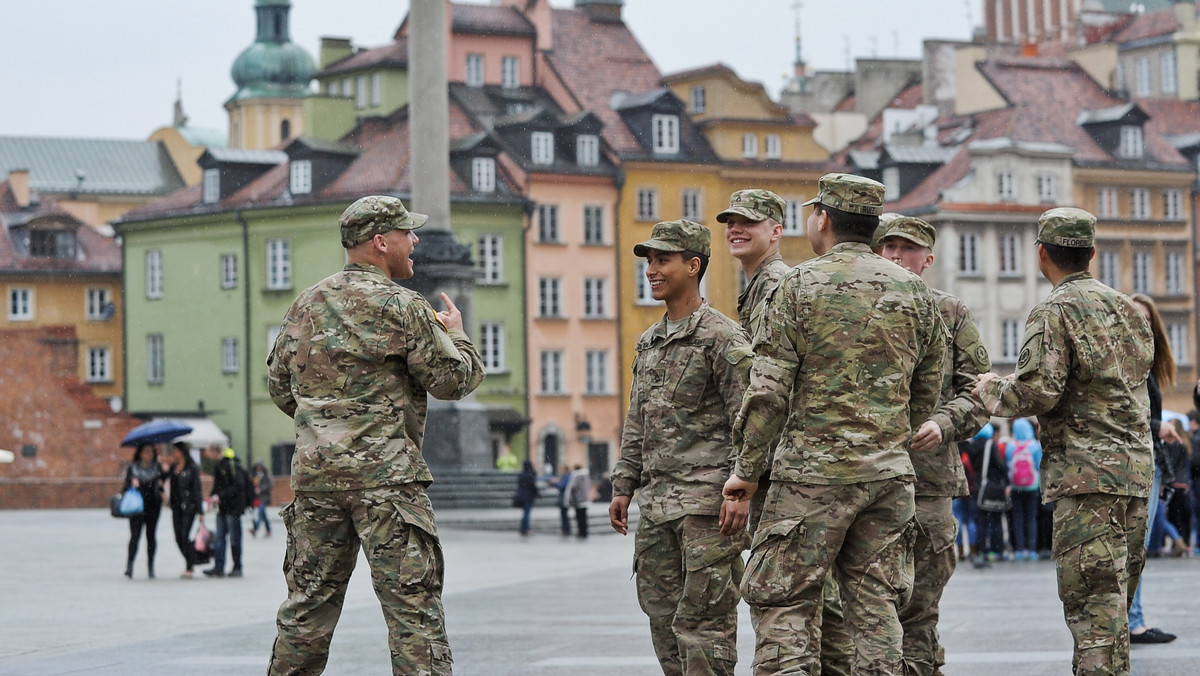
(155, 432)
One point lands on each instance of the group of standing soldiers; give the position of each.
(827, 423)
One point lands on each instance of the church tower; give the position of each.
(272, 77)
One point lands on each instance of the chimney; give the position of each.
(1029, 49)
(18, 182)
(601, 11)
(334, 49)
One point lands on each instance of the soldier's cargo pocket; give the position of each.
(775, 569)
(441, 659)
(287, 514)
(714, 569)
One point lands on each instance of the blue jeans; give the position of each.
(1025, 513)
(1136, 621)
(991, 532)
(260, 518)
(964, 513)
(525, 510)
(228, 526)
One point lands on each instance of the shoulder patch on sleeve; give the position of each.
(736, 354)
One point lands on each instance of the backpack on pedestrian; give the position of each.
(1022, 471)
(243, 479)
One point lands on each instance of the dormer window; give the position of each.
(749, 146)
(774, 147)
(52, 243)
(1006, 187)
(665, 132)
(542, 151)
(212, 186)
(587, 150)
(1132, 143)
(300, 177)
(483, 174)
(698, 98)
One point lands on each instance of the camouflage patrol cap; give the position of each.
(678, 235)
(884, 220)
(756, 205)
(1067, 226)
(847, 192)
(913, 229)
(375, 215)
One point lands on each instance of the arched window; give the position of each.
(285, 130)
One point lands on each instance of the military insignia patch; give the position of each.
(981, 355)
(1023, 360)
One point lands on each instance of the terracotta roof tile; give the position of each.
(1148, 25)
(392, 54)
(490, 20)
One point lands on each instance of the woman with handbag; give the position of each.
(186, 495)
(145, 474)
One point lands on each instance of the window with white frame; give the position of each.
(593, 224)
(20, 304)
(665, 134)
(361, 93)
(750, 146)
(641, 286)
(550, 297)
(1141, 84)
(597, 372)
(300, 173)
(510, 72)
(793, 218)
(693, 204)
(1132, 145)
(1122, 79)
(491, 259)
(891, 183)
(1106, 203)
(483, 174)
(552, 372)
(1172, 204)
(212, 186)
(1177, 337)
(542, 151)
(154, 359)
(1045, 188)
(491, 346)
(99, 368)
(1110, 268)
(229, 271)
(587, 150)
(1167, 73)
(347, 87)
(331, 88)
(1010, 254)
(548, 223)
(1173, 280)
(97, 303)
(1006, 186)
(154, 274)
(279, 264)
(376, 89)
(595, 294)
(647, 204)
(774, 147)
(1139, 204)
(1011, 339)
(475, 70)
(229, 355)
(968, 253)
(1143, 272)
(697, 98)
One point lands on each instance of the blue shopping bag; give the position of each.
(132, 503)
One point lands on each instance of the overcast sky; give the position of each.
(82, 68)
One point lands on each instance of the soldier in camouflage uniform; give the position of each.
(908, 242)
(1082, 370)
(688, 378)
(753, 228)
(848, 362)
(354, 359)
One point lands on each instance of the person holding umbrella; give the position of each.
(145, 474)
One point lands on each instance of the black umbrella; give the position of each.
(155, 432)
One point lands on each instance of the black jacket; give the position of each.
(186, 492)
(228, 486)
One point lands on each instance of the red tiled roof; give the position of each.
(596, 60)
(100, 253)
(848, 105)
(1148, 25)
(1171, 116)
(392, 54)
(489, 20)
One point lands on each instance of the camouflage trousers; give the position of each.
(933, 564)
(395, 528)
(687, 577)
(862, 534)
(1099, 552)
(837, 648)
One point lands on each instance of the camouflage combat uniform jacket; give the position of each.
(848, 362)
(959, 413)
(1082, 370)
(676, 444)
(356, 387)
(752, 300)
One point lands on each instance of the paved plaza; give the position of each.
(521, 606)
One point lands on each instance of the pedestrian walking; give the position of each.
(527, 492)
(355, 357)
(848, 363)
(228, 497)
(145, 474)
(264, 486)
(1082, 369)
(187, 496)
